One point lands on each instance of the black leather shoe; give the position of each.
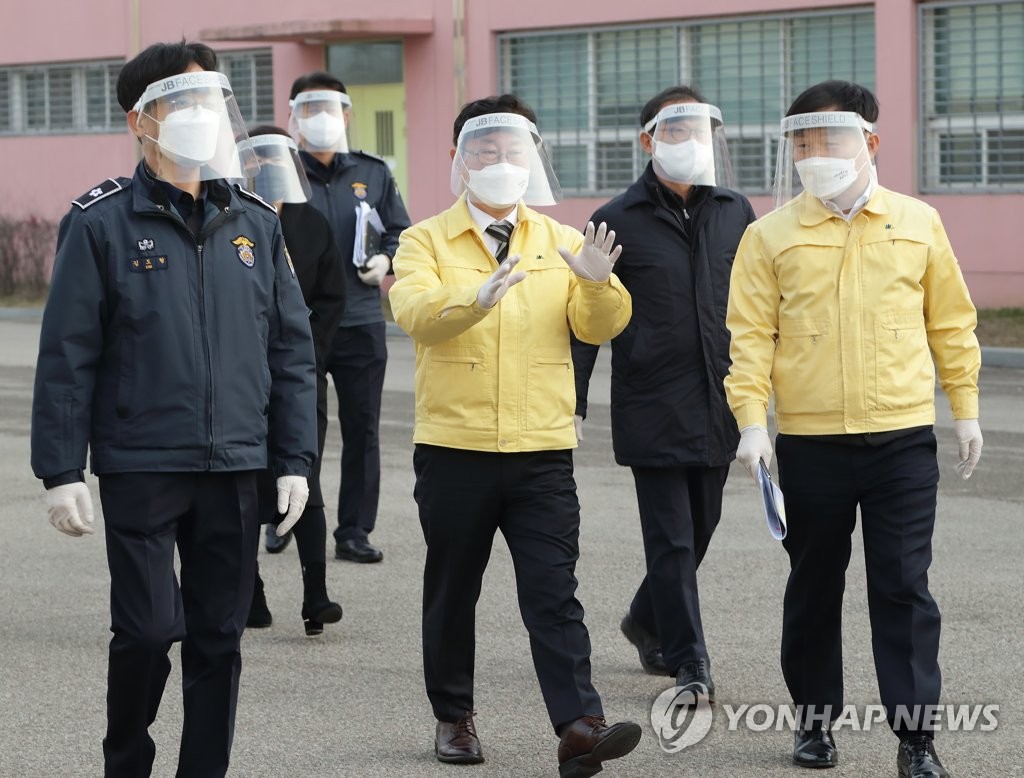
(916, 759)
(695, 677)
(316, 615)
(814, 748)
(357, 550)
(272, 543)
(456, 742)
(647, 646)
(588, 741)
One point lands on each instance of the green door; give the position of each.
(378, 111)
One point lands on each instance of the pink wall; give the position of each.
(981, 227)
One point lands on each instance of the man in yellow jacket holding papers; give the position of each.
(840, 301)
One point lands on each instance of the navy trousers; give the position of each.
(464, 497)
(356, 362)
(894, 484)
(212, 518)
(680, 507)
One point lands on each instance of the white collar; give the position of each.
(858, 204)
(485, 220)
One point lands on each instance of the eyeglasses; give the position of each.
(678, 133)
(490, 156)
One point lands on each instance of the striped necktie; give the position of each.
(502, 232)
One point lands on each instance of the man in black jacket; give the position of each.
(341, 180)
(282, 182)
(176, 348)
(670, 421)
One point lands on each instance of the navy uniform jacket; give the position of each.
(338, 188)
(668, 403)
(164, 351)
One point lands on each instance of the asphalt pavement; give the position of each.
(352, 702)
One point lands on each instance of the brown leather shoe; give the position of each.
(589, 741)
(456, 742)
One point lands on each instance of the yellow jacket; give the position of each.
(842, 319)
(499, 379)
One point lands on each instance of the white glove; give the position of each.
(69, 507)
(755, 445)
(595, 260)
(968, 435)
(577, 424)
(501, 281)
(375, 270)
(292, 493)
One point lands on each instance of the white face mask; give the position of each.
(190, 136)
(826, 177)
(686, 162)
(499, 184)
(322, 132)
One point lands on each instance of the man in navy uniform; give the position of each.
(341, 180)
(175, 346)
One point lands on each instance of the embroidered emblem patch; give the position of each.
(359, 190)
(244, 247)
(145, 264)
(146, 244)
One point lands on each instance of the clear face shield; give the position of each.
(825, 154)
(318, 120)
(688, 145)
(500, 159)
(193, 130)
(281, 178)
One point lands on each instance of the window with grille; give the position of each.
(60, 98)
(972, 96)
(589, 85)
(251, 74)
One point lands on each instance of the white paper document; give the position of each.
(772, 502)
(369, 231)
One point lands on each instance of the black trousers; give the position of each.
(356, 362)
(679, 510)
(212, 518)
(463, 498)
(895, 485)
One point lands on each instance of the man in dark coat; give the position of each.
(313, 252)
(670, 421)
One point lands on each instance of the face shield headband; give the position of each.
(823, 153)
(281, 177)
(688, 144)
(318, 120)
(523, 172)
(201, 133)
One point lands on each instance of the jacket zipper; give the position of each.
(207, 351)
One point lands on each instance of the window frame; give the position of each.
(19, 113)
(934, 127)
(590, 135)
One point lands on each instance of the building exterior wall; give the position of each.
(451, 55)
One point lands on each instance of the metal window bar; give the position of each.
(587, 85)
(65, 98)
(971, 96)
(252, 82)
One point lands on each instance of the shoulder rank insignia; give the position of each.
(255, 197)
(244, 247)
(97, 193)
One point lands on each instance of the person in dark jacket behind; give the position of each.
(670, 421)
(282, 182)
(174, 346)
(342, 180)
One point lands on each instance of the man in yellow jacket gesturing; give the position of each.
(840, 300)
(489, 290)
